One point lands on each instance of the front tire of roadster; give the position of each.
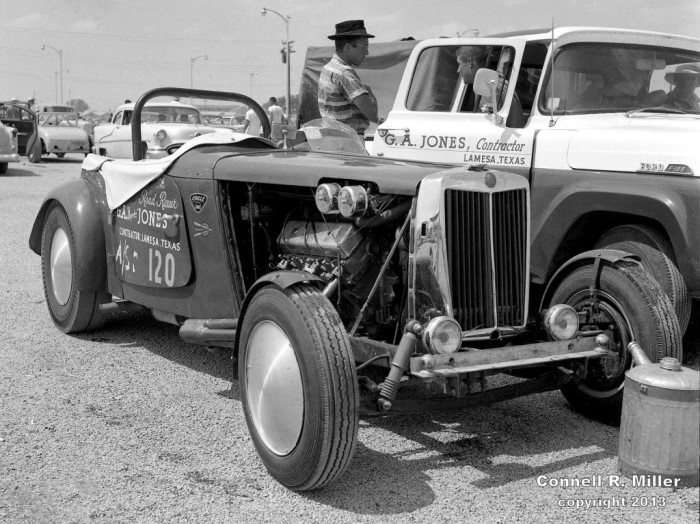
(627, 305)
(71, 310)
(298, 386)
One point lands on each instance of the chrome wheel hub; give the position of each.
(274, 388)
(61, 267)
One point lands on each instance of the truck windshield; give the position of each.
(598, 78)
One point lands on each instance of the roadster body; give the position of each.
(338, 280)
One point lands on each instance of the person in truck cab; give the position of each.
(686, 79)
(470, 59)
(341, 94)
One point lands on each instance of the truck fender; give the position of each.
(279, 279)
(84, 215)
(594, 256)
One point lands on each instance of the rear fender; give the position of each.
(587, 257)
(84, 215)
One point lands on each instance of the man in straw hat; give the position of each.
(341, 94)
(686, 78)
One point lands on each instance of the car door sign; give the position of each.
(198, 201)
(150, 238)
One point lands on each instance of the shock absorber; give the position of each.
(399, 365)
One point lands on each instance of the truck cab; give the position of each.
(595, 118)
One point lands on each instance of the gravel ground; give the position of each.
(130, 424)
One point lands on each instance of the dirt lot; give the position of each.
(130, 424)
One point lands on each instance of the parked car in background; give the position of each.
(8, 146)
(165, 127)
(25, 121)
(56, 109)
(59, 134)
(218, 120)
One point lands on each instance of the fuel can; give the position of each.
(660, 423)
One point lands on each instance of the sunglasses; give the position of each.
(360, 45)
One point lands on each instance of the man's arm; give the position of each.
(368, 105)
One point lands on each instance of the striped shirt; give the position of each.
(338, 86)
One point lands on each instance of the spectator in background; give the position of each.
(275, 112)
(341, 94)
(251, 123)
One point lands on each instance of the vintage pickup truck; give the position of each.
(345, 284)
(593, 118)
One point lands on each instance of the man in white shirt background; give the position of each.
(275, 112)
(251, 124)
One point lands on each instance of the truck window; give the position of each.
(438, 82)
(434, 80)
(590, 78)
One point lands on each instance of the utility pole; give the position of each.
(289, 51)
(60, 65)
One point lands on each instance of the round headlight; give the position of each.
(161, 135)
(327, 198)
(352, 201)
(561, 322)
(442, 335)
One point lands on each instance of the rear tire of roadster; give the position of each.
(71, 310)
(628, 305)
(298, 386)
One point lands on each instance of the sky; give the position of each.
(111, 50)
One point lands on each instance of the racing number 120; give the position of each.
(164, 267)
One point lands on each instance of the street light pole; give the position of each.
(285, 19)
(251, 83)
(60, 64)
(475, 31)
(192, 60)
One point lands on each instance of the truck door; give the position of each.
(437, 116)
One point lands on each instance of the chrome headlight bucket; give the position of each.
(561, 322)
(442, 335)
(161, 136)
(352, 201)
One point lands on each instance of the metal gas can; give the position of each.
(660, 423)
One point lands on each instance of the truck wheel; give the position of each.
(298, 386)
(71, 310)
(627, 305)
(657, 257)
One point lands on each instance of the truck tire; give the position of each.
(3, 168)
(298, 386)
(72, 311)
(657, 257)
(627, 305)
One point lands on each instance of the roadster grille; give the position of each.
(486, 237)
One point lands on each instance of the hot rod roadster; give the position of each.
(341, 282)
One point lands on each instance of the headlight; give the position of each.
(352, 201)
(161, 135)
(442, 335)
(327, 198)
(561, 322)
